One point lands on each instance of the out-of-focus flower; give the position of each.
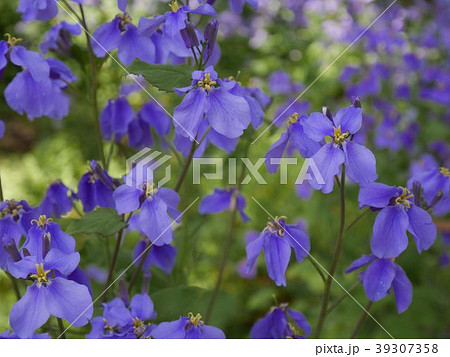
(56, 201)
(381, 277)
(115, 118)
(95, 188)
(163, 256)
(277, 240)
(58, 37)
(238, 5)
(223, 199)
(281, 322)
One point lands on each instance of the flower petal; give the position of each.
(422, 228)
(360, 163)
(377, 195)
(277, 252)
(317, 126)
(350, 119)
(378, 279)
(402, 290)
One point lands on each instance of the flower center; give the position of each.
(174, 6)
(339, 136)
(150, 189)
(404, 197)
(275, 226)
(12, 40)
(206, 83)
(124, 20)
(195, 320)
(293, 119)
(445, 171)
(13, 208)
(41, 274)
(42, 221)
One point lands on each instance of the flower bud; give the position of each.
(189, 36)
(210, 35)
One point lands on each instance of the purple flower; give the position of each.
(49, 295)
(157, 205)
(281, 322)
(12, 335)
(115, 118)
(57, 201)
(187, 328)
(435, 188)
(223, 199)
(238, 5)
(150, 116)
(46, 232)
(296, 138)
(14, 219)
(38, 89)
(359, 161)
(122, 321)
(162, 257)
(242, 267)
(58, 37)
(42, 10)
(381, 277)
(120, 33)
(228, 114)
(276, 240)
(173, 21)
(2, 128)
(398, 214)
(95, 188)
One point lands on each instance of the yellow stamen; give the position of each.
(275, 226)
(150, 189)
(445, 171)
(207, 83)
(41, 274)
(293, 119)
(174, 6)
(403, 199)
(42, 221)
(12, 40)
(339, 136)
(195, 320)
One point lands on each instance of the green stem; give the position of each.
(138, 268)
(114, 259)
(94, 88)
(15, 286)
(361, 319)
(337, 252)
(356, 220)
(61, 328)
(319, 270)
(343, 297)
(1, 189)
(228, 241)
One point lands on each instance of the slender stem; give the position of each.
(228, 241)
(61, 328)
(356, 220)
(94, 87)
(343, 297)
(1, 189)
(319, 270)
(361, 320)
(15, 286)
(334, 262)
(110, 153)
(114, 258)
(138, 269)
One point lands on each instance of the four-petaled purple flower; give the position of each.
(281, 322)
(359, 161)
(228, 114)
(122, 321)
(157, 205)
(381, 277)
(276, 240)
(190, 327)
(120, 33)
(398, 213)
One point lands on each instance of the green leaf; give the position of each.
(162, 76)
(103, 221)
